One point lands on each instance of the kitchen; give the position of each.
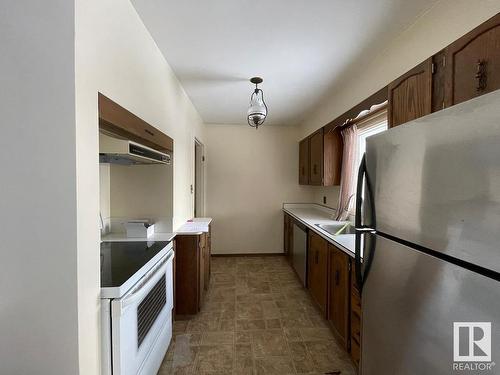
(274, 247)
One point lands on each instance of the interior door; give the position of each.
(410, 302)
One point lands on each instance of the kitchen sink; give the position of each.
(337, 229)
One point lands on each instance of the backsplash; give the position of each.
(135, 192)
(330, 192)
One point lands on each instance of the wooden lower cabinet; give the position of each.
(338, 293)
(355, 353)
(288, 237)
(202, 244)
(332, 286)
(317, 279)
(207, 257)
(356, 315)
(192, 272)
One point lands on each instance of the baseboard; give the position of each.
(248, 255)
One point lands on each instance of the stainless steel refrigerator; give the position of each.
(428, 226)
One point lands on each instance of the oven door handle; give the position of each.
(142, 288)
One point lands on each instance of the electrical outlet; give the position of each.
(324, 199)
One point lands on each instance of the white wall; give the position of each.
(38, 228)
(105, 195)
(250, 173)
(116, 55)
(439, 26)
(141, 192)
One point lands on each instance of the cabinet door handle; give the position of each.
(303, 171)
(315, 169)
(481, 75)
(316, 257)
(149, 132)
(337, 277)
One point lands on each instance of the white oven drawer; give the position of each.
(141, 322)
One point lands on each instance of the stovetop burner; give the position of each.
(121, 260)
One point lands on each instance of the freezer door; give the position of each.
(436, 181)
(410, 302)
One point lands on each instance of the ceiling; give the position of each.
(301, 48)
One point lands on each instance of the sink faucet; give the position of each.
(344, 209)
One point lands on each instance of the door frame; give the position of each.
(199, 179)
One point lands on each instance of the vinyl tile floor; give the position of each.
(257, 319)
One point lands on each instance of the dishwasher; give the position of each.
(299, 251)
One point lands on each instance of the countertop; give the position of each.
(310, 214)
(195, 226)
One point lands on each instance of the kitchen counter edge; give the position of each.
(320, 233)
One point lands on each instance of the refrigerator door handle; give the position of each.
(362, 229)
(359, 193)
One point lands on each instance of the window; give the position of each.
(366, 125)
(366, 128)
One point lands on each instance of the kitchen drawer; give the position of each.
(355, 352)
(356, 328)
(355, 303)
(354, 285)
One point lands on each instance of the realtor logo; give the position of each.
(472, 341)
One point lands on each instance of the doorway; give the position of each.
(199, 179)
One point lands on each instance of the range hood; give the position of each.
(124, 152)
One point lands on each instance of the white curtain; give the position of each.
(348, 180)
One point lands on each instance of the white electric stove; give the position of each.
(136, 305)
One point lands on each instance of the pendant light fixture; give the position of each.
(257, 111)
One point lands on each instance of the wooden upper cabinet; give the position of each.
(473, 63)
(339, 285)
(316, 158)
(115, 119)
(318, 270)
(410, 96)
(304, 162)
(324, 157)
(333, 148)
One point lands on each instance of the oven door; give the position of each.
(142, 322)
